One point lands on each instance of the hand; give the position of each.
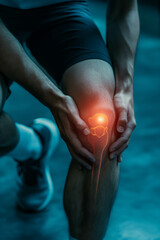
(126, 122)
(68, 120)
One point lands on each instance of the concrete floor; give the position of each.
(136, 213)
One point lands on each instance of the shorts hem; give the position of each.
(84, 57)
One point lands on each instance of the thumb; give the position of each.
(76, 119)
(80, 124)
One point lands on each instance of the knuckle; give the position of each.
(133, 125)
(67, 101)
(67, 98)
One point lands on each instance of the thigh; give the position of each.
(70, 37)
(4, 91)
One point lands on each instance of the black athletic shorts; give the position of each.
(58, 35)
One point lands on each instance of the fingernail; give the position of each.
(121, 129)
(86, 131)
(112, 156)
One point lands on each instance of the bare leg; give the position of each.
(8, 133)
(88, 204)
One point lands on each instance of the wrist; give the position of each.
(53, 95)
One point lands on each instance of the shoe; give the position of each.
(34, 186)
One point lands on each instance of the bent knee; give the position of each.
(100, 118)
(91, 84)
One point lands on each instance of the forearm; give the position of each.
(122, 37)
(16, 65)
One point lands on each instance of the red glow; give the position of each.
(98, 118)
(99, 124)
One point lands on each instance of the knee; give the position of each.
(91, 84)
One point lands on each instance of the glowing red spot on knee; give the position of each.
(97, 119)
(98, 124)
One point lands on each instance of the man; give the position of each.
(55, 51)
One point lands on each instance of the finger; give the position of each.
(122, 140)
(80, 161)
(77, 121)
(119, 151)
(79, 149)
(80, 125)
(76, 144)
(122, 120)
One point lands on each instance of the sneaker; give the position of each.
(34, 186)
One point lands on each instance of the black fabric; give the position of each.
(58, 36)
